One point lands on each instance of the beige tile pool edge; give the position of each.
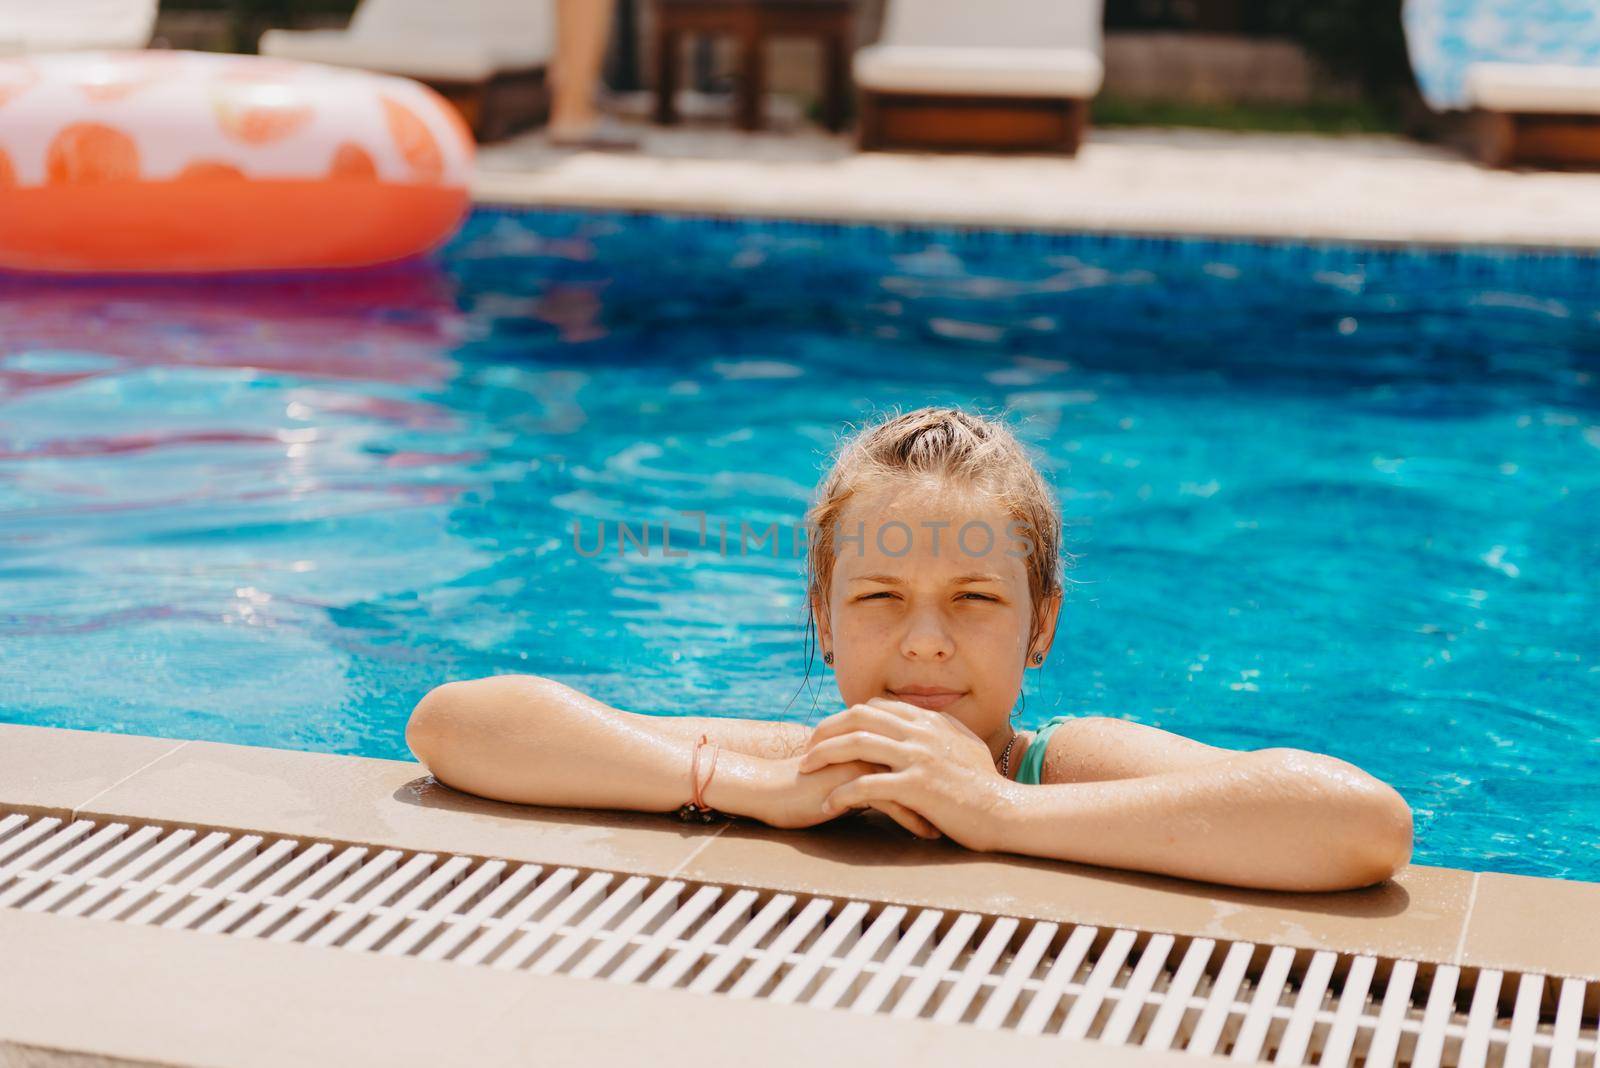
(994, 194)
(1442, 915)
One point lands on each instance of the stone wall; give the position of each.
(1212, 68)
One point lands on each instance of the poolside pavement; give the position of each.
(1159, 181)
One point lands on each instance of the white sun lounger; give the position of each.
(1527, 77)
(488, 56)
(1002, 74)
(74, 25)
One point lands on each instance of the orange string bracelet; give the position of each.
(699, 793)
(696, 808)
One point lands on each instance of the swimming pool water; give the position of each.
(1337, 498)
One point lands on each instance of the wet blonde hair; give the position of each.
(949, 446)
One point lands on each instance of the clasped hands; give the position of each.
(925, 770)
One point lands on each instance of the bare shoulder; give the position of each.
(1097, 748)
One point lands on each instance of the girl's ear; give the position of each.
(819, 615)
(1049, 615)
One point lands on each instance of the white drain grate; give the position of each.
(1253, 1003)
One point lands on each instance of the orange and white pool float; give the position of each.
(171, 161)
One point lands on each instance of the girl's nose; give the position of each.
(927, 639)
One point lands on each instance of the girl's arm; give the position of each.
(1282, 819)
(531, 740)
(1274, 817)
(1126, 795)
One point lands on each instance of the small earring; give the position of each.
(1038, 658)
(827, 658)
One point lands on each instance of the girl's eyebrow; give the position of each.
(959, 580)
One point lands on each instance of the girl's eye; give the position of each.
(886, 593)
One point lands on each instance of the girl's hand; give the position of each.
(931, 764)
(792, 798)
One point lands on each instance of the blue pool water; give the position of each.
(1332, 498)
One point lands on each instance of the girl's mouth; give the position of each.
(934, 702)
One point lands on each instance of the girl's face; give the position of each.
(933, 596)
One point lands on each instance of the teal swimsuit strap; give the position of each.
(1033, 760)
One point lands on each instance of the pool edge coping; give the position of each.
(1441, 915)
(498, 189)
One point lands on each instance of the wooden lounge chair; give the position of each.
(488, 57)
(1520, 81)
(74, 25)
(1533, 113)
(998, 75)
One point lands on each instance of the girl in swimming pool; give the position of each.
(934, 573)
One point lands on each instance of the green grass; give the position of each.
(1325, 118)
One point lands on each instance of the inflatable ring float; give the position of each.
(170, 161)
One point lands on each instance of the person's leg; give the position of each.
(581, 30)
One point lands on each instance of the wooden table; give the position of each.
(752, 22)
